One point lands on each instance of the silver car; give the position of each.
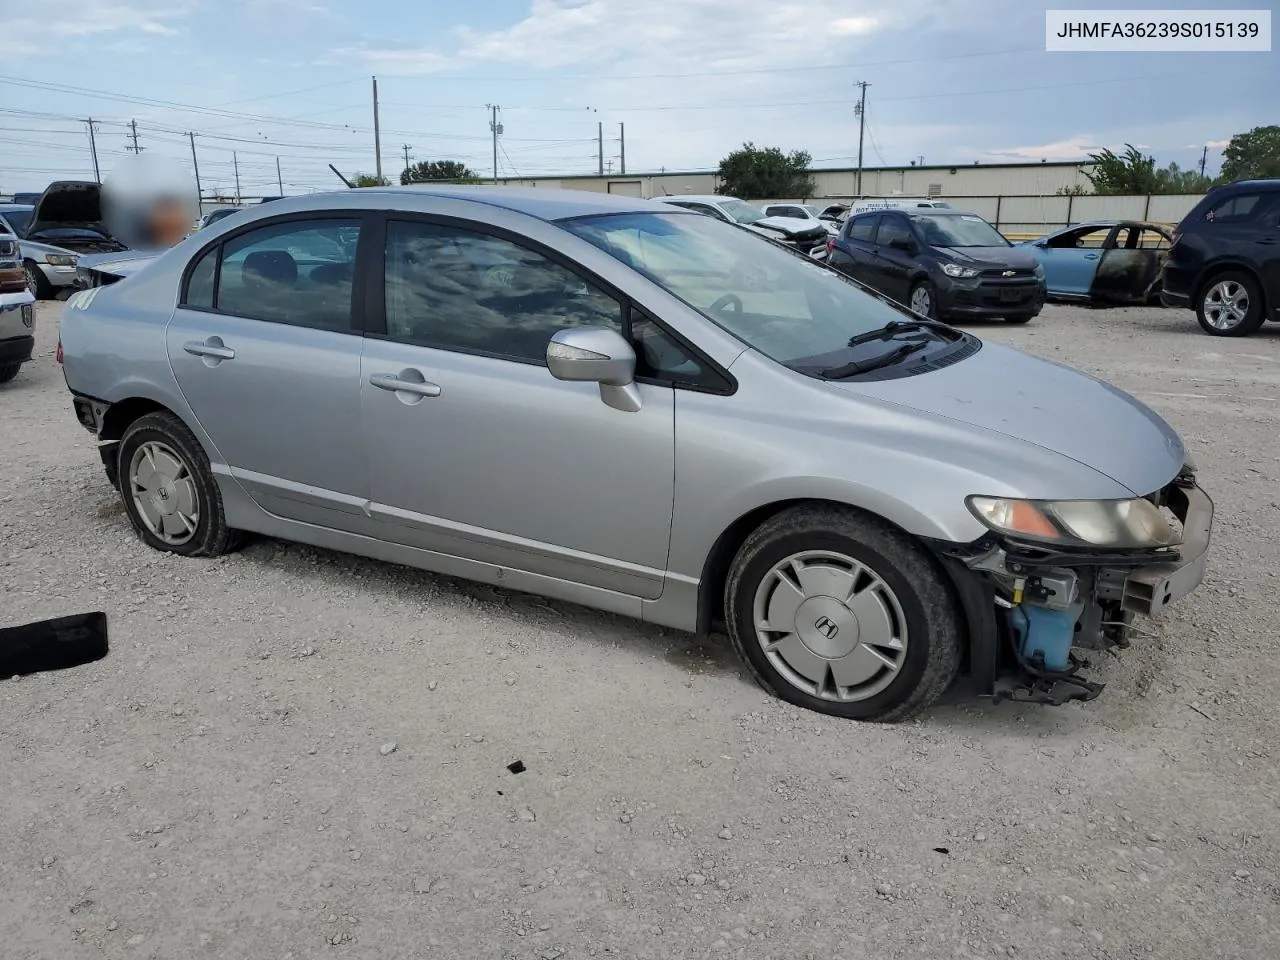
(48, 268)
(631, 406)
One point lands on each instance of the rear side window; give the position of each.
(863, 228)
(200, 281)
(1237, 209)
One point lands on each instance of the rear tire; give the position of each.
(866, 626)
(8, 371)
(168, 490)
(1230, 305)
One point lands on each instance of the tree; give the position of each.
(1173, 180)
(1133, 174)
(1252, 155)
(1075, 190)
(754, 173)
(369, 180)
(438, 171)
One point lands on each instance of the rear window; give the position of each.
(1236, 209)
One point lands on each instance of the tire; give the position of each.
(1025, 319)
(37, 282)
(8, 371)
(186, 489)
(924, 289)
(902, 598)
(1230, 305)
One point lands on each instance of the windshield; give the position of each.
(18, 219)
(784, 305)
(964, 230)
(71, 233)
(741, 211)
(811, 211)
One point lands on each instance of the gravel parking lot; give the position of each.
(291, 753)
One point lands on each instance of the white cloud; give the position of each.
(29, 36)
(854, 26)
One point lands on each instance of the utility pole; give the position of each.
(609, 165)
(93, 151)
(622, 147)
(861, 110)
(235, 162)
(921, 159)
(133, 133)
(195, 163)
(1204, 158)
(406, 148)
(377, 140)
(496, 128)
(600, 148)
(279, 179)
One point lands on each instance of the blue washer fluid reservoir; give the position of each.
(1045, 631)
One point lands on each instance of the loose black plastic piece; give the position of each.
(52, 644)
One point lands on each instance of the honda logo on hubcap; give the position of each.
(826, 626)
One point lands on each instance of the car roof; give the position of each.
(544, 204)
(10, 207)
(703, 197)
(1100, 224)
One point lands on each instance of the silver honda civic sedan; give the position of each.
(624, 404)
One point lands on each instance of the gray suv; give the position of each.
(631, 406)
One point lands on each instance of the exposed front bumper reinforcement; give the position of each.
(1148, 590)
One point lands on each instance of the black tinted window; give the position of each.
(200, 281)
(891, 229)
(1234, 209)
(299, 273)
(863, 228)
(459, 290)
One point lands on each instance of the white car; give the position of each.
(805, 236)
(808, 213)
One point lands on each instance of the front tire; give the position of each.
(837, 612)
(168, 489)
(37, 282)
(924, 300)
(1230, 305)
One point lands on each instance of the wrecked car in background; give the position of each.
(1105, 261)
(17, 310)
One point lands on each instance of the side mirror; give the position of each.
(1041, 244)
(596, 355)
(905, 245)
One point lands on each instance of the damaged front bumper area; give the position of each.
(1031, 608)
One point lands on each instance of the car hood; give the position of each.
(1010, 257)
(68, 204)
(118, 264)
(1047, 404)
(788, 225)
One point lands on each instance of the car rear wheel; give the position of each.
(837, 612)
(37, 282)
(924, 300)
(168, 489)
(8, 371)
(1230, 305)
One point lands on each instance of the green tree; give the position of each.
(1075, 190)
(369, 180)
(1173, 180)
(1252, 155)
(758, 173)
(1126, 173)
(438, 171)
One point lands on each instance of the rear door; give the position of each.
(266, 350)
(855, 251)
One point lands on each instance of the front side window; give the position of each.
(299, 272)
(893, 229)
(786, 306)
(739, 211)
(862, 228)
(457, 289)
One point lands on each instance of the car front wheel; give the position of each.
(37, 282)
(168, 489)
(1230, 305)
(924, 300)
(837, 612)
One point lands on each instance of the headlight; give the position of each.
(955, 270)
(61, 260)
(1038, 272)
(1116, 524)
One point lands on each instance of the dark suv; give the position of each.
(1225, 259)
(942, 264)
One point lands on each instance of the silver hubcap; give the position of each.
(921, 302)
(830, 626)
(164, 492)
(1226, 305)
(33, 284)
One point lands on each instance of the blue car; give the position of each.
(1104, 262)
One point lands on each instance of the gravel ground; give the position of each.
(291, 753)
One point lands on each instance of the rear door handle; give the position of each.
(396, 384)
(1267, 242)
(208, 348)
(1091, 256)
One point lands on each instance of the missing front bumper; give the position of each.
(1148, 590)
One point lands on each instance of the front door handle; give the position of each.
(213, 349)
(397, 384)
(1091, 256)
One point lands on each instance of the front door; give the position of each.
(267, 355)
(476, 451)
(894, 267)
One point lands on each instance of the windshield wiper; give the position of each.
(894, 327)
(874, 363)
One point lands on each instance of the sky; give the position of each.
(952, 81)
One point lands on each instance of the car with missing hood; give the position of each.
(1104, 261)
(620, 403)
(807, 236)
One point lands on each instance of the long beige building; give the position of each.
(972, 180)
